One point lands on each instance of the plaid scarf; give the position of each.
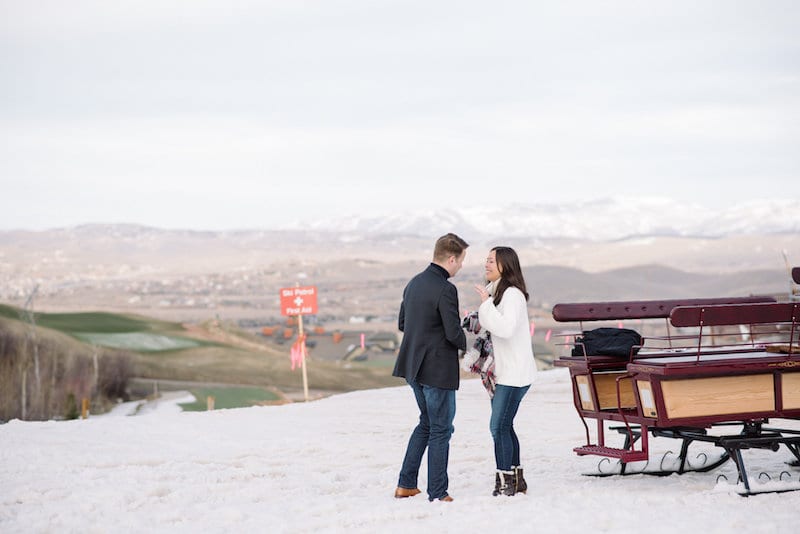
(479, 359)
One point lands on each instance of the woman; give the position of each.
(505, 316)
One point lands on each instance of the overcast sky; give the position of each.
(253, 114)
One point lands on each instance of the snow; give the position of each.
(331, 466)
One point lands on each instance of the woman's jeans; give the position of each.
(437, 409)
(504, 408)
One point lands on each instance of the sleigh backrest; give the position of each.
(796, 275)
(637, 309)
(736, 314)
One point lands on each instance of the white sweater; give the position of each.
(511, 337)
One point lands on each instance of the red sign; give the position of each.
(299, 300)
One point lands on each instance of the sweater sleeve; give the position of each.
(502, 324)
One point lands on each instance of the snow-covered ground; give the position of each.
(331, 466)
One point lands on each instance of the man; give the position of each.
(428, 360)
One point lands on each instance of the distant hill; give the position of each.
(194, 276)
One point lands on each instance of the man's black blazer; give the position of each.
(432, 333)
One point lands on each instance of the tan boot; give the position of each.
(402, 493)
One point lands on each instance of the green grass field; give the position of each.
(139, 341)
(94, 322)
(126, 332)
(228, 397)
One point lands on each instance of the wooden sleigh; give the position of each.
(724, 364)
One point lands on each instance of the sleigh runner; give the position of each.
(724, 368)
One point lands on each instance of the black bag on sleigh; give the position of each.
(607, 342)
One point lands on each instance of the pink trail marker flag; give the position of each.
(297, 351)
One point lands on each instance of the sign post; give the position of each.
(299, 301)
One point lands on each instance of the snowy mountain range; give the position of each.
(596, 220)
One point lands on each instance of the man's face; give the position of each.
(454, 263)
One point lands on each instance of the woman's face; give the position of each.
(493, 270)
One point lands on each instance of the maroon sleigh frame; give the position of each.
(679, 385)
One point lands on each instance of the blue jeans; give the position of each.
(505, 404)
(437, 409)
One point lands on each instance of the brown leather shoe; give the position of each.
(402, 493)
(446, 498)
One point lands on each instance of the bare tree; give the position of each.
(28, 316)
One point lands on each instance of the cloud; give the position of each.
(405, 101)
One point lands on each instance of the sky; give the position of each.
(331, 465)
(264, 113)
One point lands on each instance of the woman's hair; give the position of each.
(511, 273)
(449, 245)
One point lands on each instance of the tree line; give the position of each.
(44, 377)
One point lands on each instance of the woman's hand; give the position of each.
(482, 292)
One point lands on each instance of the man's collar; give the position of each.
(441, 269)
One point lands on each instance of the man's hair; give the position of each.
(448, 245)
